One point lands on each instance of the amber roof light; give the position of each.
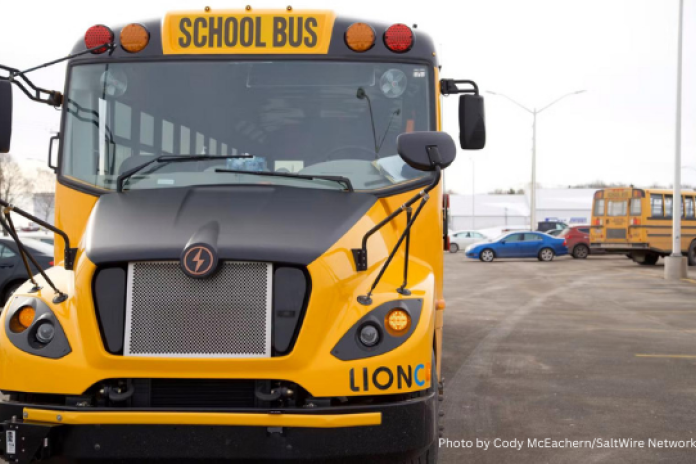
(134, 38)
(360, 37)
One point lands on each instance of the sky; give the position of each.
(622, 52)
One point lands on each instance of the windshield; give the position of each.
(296, 117)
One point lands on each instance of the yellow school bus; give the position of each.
(638, 222)
(249, 256)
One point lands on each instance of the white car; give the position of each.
(461, 239)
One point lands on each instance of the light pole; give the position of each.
(534, 112)
(675, 264)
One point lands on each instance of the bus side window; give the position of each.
(689, 203)
(656, 205)
(599, 207)
(668, 206)
(635, 206)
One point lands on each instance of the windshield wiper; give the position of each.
(170, 159)
(340, 179)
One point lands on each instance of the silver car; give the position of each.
(461, 239)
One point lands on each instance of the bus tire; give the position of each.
(649, 260)
(581, 251)
(691, 254)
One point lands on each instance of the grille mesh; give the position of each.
(172, 315)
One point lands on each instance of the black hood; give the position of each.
(247, 223)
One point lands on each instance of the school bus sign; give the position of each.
(223, 32)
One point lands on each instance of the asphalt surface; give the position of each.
(590, 349)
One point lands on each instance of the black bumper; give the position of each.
(407, 429)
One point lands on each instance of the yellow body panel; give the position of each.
(202, 418)
(247, 32)
(73, 209)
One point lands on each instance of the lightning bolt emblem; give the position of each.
(197, 259)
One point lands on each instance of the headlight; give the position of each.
(369, 335)
(45, 332)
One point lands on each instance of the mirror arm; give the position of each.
(69, 253)
(360, 254)
(424, 197)
(53, 97)
(9, 227)
(449, 87)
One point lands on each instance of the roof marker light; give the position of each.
(398, 38)
(99, 35)
(134, 38)
(360, 37)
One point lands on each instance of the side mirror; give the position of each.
(5, 115)
(502, 242)
(426, 151)
(472, 122)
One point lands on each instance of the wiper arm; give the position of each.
(340, 179)
(120, 180)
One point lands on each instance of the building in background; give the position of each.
(573, 206)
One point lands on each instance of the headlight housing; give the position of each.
(383, 329)
(32, 327)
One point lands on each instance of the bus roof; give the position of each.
(664, 191)
(331, 45)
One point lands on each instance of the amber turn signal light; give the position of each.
(134, 38)
(397, 322)
(360, 37)
(22, 319)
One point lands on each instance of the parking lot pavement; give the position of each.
(573, 349)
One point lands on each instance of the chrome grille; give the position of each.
(169, 314)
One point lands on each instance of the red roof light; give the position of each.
(398, 38)
(99, 35)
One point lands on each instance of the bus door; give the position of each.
(617, 221)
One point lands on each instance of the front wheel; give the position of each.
(546, 254)
(487, 255)
(454, 248)
(580, 251)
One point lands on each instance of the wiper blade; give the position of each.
(170, 159)
(340, 179)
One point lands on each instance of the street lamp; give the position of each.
(534, 112)
(675, 264)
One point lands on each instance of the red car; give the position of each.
(577, 241)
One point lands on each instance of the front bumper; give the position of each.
(400, 429)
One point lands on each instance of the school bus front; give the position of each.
(253, 202)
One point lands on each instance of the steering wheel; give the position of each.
(332, 154)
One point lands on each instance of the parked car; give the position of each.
(463, 238)
(12, 270)
(44, 237)
(578, 241)
(554, 232)
(545, 226)
(519, 245)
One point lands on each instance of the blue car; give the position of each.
(519, 245)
